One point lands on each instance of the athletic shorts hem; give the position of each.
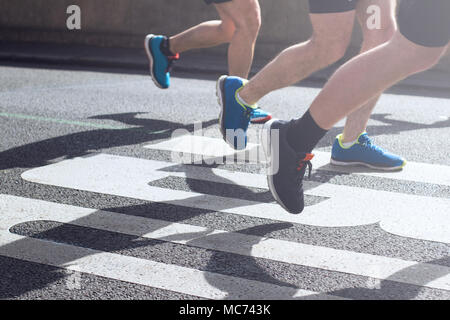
(216, 1)
(331, 6)
(425, 23)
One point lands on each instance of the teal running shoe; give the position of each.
(365, 153)
(160, 63)
(234, 117)
(260, 116)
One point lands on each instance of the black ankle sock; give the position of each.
(304, 133)
(165, 45)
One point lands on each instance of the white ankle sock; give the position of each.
(348, 144)
(244, 102)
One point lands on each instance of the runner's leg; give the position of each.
(372, 72)
(357, 121)
(331, 35)
(246, 16)
(206, 34)
(423, 36)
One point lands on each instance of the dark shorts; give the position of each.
(216, 1)
(331, 6)
(425, 22)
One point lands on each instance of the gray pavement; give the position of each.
(197, 62)
(50, 115)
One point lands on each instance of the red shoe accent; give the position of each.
(261, 120)
(175, 57)
(301, 164)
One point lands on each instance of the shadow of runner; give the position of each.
(245, 266)
(39, 153)
(82, 143)
(72, 233)
(393, 127)
(389, 289)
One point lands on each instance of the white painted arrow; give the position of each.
(406, 215)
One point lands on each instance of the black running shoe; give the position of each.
(286, 166)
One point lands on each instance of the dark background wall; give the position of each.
(123, 23)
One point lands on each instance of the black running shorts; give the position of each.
(425, 22)
(216, 1)
(331, 6)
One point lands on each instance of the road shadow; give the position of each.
(82, 143)
(392, 127)
(390, 288)
(83, 233)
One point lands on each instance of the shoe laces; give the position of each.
(170, 60)
(249, 112)
(303, 163)
(367, 142)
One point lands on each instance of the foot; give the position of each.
(260, 116)
(160, 63)
(365, 153)
(234, 117)
(287, 167)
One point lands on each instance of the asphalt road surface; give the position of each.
(94, 203)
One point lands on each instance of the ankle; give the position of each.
(167, 47)
(347, 138)
(304, 133)
(246, 96)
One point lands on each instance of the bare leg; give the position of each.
(239, 26)
(330, 39)
(368, 75)
(205, 35)
(246, 15)
(357, 121)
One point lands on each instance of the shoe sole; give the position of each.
(148, 51)
(266, 143)
(260, 120)
(350, 164)
(221, 101)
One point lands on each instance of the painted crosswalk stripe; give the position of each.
(18, 210)
(213, 147)
(402, 214)
(204, 146)
(413, 171)
(146, 272)
(125, 268)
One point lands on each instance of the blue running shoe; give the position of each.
(287, 167)
(365, 153)
(260, 116)
(160, 63)
(234, 117)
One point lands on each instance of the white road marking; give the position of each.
(204, 146)
(17, 210)
(413, 216)
(145, 272)
(413, 171)
(125, 268)
(213, 147)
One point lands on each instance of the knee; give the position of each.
(250, 23)
(418, 58)
(374, 38)
(424, 58)
(227, 29)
